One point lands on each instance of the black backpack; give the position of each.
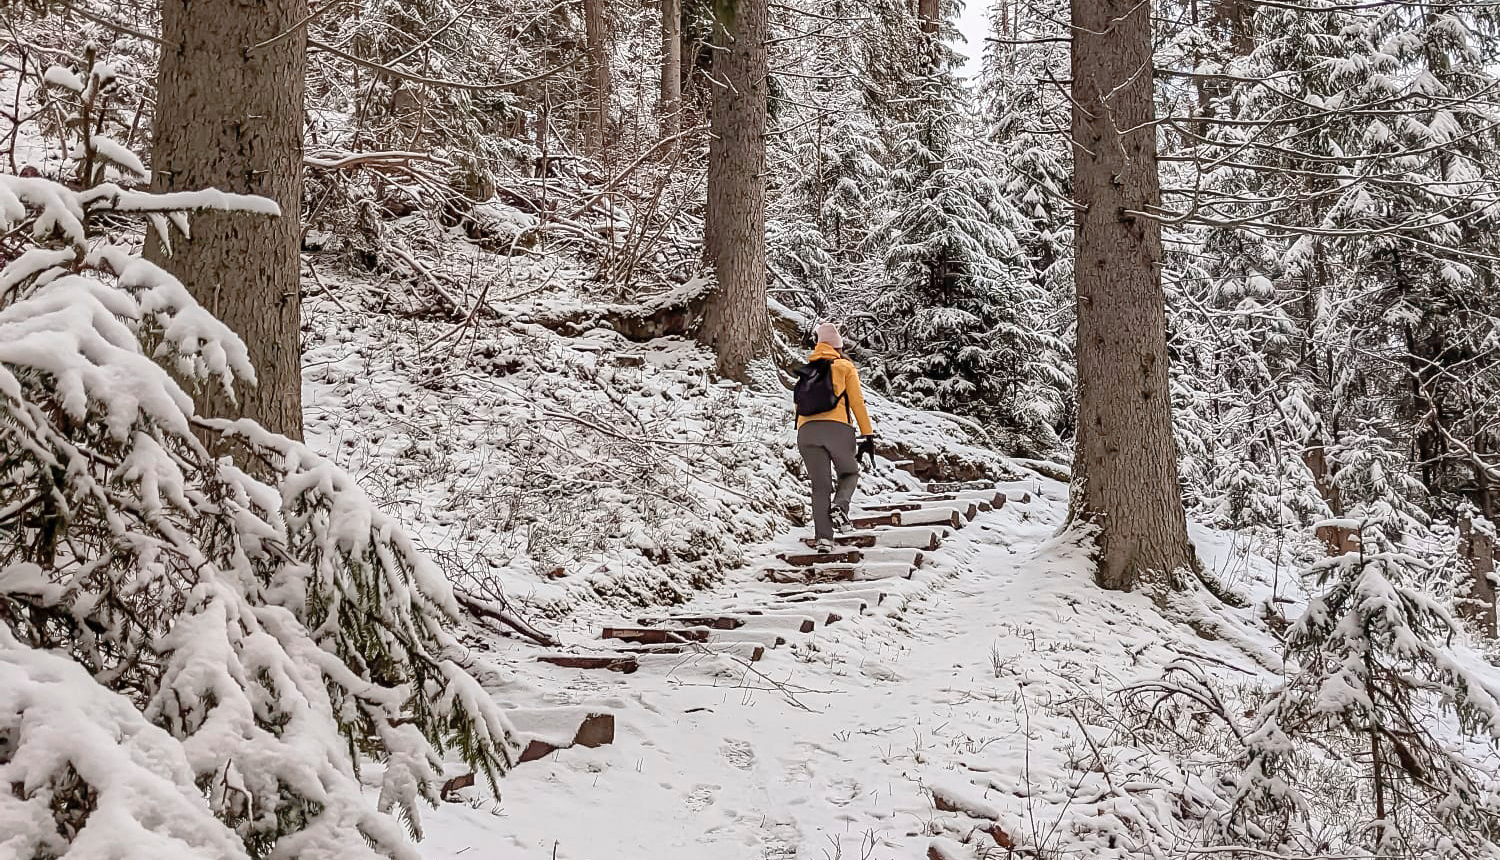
(814, 393)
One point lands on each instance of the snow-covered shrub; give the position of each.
(270, 629)
(1372, 680)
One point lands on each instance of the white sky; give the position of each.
(974, 27)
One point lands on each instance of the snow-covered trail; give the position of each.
(959, 680)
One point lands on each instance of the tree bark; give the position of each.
(1477, 547)
(1125, 471)
(736, 322)
(229, 116)
(671, 67)
(928, 16)
(1336, 540)
(596, 31)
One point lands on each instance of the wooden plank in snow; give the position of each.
(957, 486)
(830, 573)
(547, 730)
(714, 622)
(887, 507)
(622, 663)
(929, 517)
(656, 635)
(807, 559)
(875, 520)
(894, 555)
(860, 540)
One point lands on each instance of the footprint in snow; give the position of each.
(738, 753)
(700, 798)
(842, 792)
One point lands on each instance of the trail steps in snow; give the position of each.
(896, 534)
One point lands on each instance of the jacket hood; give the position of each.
(823, 350)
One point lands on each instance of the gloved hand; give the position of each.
(866, 448)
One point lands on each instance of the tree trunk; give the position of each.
(229, 116)
(928, 14)
(1126, 484)
(735, 321)
(671, 67)
(1477, 547)
(596, 31)
(1336, 540)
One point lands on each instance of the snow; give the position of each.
(55, 720)
(963, 684)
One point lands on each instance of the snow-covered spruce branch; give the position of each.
(259, 623)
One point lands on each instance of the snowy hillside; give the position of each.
(953, 710)
(995, 699)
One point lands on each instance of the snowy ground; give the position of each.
(966, 679)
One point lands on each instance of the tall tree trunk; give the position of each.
(1477, 547)
(229, 116)
(929, 16)
(671, 67)
(1125, 471)
(596, 31)
(735, 321)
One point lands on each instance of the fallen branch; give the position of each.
(503, 614)
(358, 159)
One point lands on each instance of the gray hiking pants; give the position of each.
(824, 444)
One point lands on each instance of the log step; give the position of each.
(808, 559)
(929, 517)
(859, 540)
(830, 573)
(739, 619)
(838, 573)
(748, 651)
(622, 663)
(994, 498)
(869, 596)
(958, 486)
(657, 635)
(713, 622)
(872, 521)
(913, 538)
(894, 555)
(887, 507)
(547, 730)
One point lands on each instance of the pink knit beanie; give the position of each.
(829, 333)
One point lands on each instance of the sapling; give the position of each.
(1372, 680)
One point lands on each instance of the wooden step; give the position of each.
(622, 663)
(838, 573)
(993, 498)
(929, 517)
(894, 555)
(829, 573)
(713, 622)
(836, 591)
(657, 635)
(859, 540)
(904, 465)
(547, 730)
(887, 507)
(872, 521)
(915, 538)
(748, 651)
(807, 559)
(958, 486)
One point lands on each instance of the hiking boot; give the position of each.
(823, 545)
(841, 523)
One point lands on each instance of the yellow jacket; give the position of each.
(845, 382)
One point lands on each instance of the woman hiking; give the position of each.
(826, 396)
